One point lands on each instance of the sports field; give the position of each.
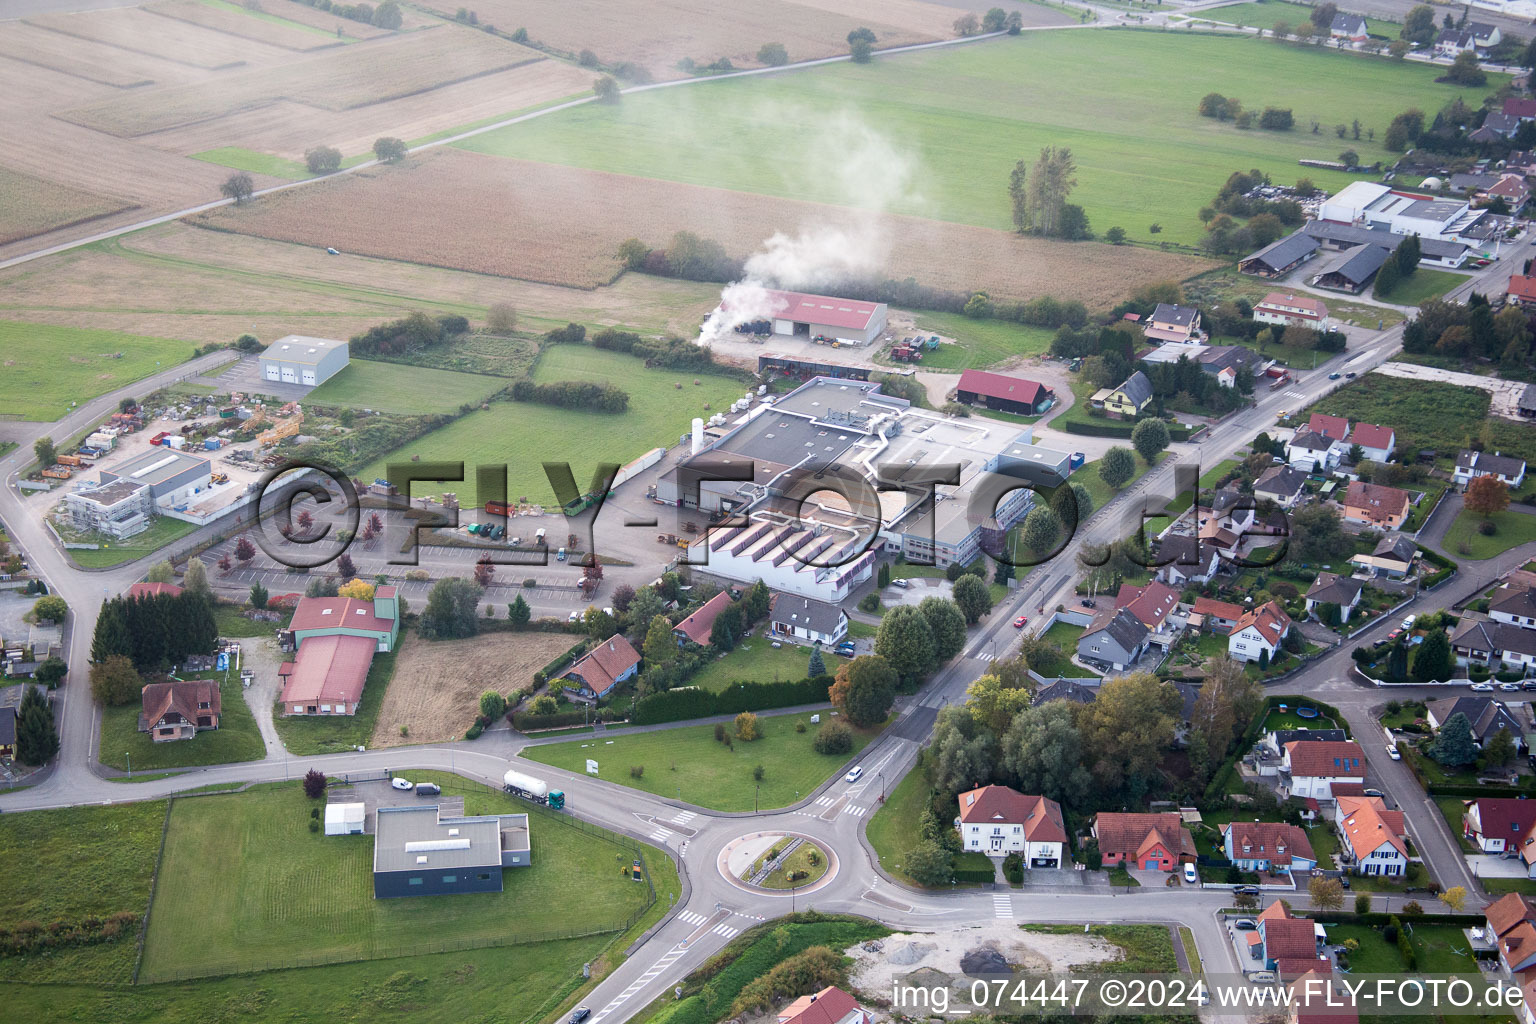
(524, 435)
(46, 368)
(963, 116)
(391, 387)
(286, 895)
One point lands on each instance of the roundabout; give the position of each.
(776, 862)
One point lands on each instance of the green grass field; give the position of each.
(390, 387)
(49, 367)
(287, 895)
(892, 828)
(979, 343)
(241, 159)
(1514, 529)
(162, 531)
(524, 435)
(967, 114)
(755, 661)
(236, 738)
(687, 762)
(232, 624)
(330, 734)
(1424, 285)
(1264, 15)
(69, 864)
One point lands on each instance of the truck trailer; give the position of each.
(529, 788)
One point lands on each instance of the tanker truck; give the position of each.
(530, 788)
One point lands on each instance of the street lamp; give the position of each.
(755, 791)
(130, 761)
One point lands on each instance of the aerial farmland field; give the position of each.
(524, 435)
(391, 387)
(970, 112)
(30, 205)
(45, 368)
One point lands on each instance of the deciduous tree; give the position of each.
(1499, 751)
(1327, 893)
(773, 55)
(947, 624)
(389, 149)
(1042, 752)
(1127, 728)
(244, 549)
(45, 451)
(972, 596)
(492, 704)
(660, 646)
(994, 704)
(905, 641)
(1040, 530)
(238, 187)
(1117, 467)
(161, 572)
(864, 690)
(1149, 438)
(115, 682)
(314, 784)
(322, 159)
(452, 610)
(1486, 496)
(195, 579)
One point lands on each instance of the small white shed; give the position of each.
(344, 819)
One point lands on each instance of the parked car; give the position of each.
(404, 785)
(1344, 881)
(1247, 890)
(1394, 753)
(1482, 687)
(1373, 792)
(1409, 621)
(1191, 875)
(1020, 622)
(1350, 375)
(1334, 376)
(854, 775)
(1246, 925)
(900, 584)
(1529, 684)
(579, 1014)
(428, 789)
(1510, 687)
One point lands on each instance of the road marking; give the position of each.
(822, 801)
(684, 817)
(692, 917)
(831, 812)
(857, 812)
(661, 835)
(1002, 906)
(1295, 394)
(725, 930)
(667, 960)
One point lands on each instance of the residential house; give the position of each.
(1331, 588)
(1127, 401)
(1216, 616)
(1513, 190)
(1283, 485)
(1376, 443)
(605, 666)
(996, 820)
(1521, 161)
(1498, 824)
(1470, 464)
(1392, 557)
(1485, 642)
(1496, 127)
(1334, 428)
(1151, 604)
(1514, 605)
(831, 1005)
(1524, 109)
(808, 620)
(1286, 309)
(1465, 184)
(153, 589)
(1376, 505)
(1283, 937)
(1312, 452)
(179, 709)
(1066, 689)
(1348, 27)
(1173, 323)
(1272, 847)
(1309, 769)
(696, 628)
(1371, 836)
(1275, 740)
(1188, 561)
(1224, 362)
(1486, 716)
(1114, 638)
(1453, 42)
(1521, 290)
(1484, 34)
(1259, 633)
(1151, 842)
(1512, 917)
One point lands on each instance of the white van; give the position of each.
(560, 555)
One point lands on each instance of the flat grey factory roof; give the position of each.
(413, 838)
(776, 437)
(112, 493)
(301, 349)
(824, 395)
(156, 466)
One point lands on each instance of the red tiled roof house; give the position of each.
(179, 709)
(1310, 769)
(829, 1006)
(696, 628)
(1259, 632)
(1372, 836)
(998, 820)
(1153, 842)
(604, 667)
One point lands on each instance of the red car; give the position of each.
(1019, 622)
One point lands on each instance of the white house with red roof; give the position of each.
(1376, 443)
(336, 639)
(1273, 847)
(829, 1006)
(1284, 308)
(1260, 631)
(604, 667)
(1310, 768)
(997, 820)
(1334, 428)
(1375, 838)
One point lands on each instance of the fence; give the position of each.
(154, 885)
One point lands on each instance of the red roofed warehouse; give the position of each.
(1152, 842)
(997, 820)
(336, 639)
(1005, 394)
(604, 667)
(849, 321)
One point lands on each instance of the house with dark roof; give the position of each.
(1497, 824)
(1224, 361)
(807, 620)
(1393, 557)
(1521, 107)
(1003, 393)
(1114, 638)
(1376, 505)
(418, 852)
(1485, 642)
(1151, 842)
(1485, 34)
(1283, 485)
(1186, 560)
(1281, 257)
(1275, 740)
(1464, 183)
(1486, 716)
(1331, 588)
(997, 820)
(697, 627)
(1355, 273)
(1066, 689)
(1453, 42)
(1310, 769)
(1127, 401)
(179, 709)
(1272, 847)
(1259, 632)
(1173, 323)
(1515, 605)
(1151, 604)
(1372, 839)
(605, 666)
(1470, 465)
(1350, 27)
(1376, 443)
(1312, 452)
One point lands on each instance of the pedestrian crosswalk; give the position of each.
(1295, 394)
(691, 917)
(823, 800)
(725, 931)
(1002, 907)
(683, 817)
(661, 834)
(857, 812)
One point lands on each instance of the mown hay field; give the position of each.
(137, 31)
(29, 206)
(563, 225)
(234, 20)
(82, 58)
(337, 79)
(411, 390)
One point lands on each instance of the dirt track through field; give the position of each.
(437, 684)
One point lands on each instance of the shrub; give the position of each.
(474, 731)
(314, 784)
(1487, 528)
(799, 727)
(833, 737)
(746, 727)
(636, 771)
(719, 732)
(757, 773)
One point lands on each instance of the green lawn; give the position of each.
(1324, 844)
(524, 435)
(756, 661)
(1145, 948)
(412, 390)
(1499, 886)
(1424, 285)
(242, 159)
(48, 368)
(236, 738)
(1289, 719)
(286, 895)
(892, 828)
(1513, 529)
(1182, 501)
(330, 734)
(1063, 635)
(688, 764)
(979, 343)
(162, 531)
(799, 860)
(965, 115)
(1452, 809)
(73, 863)
(1264, 15)
(1374, 956)
(232, 624)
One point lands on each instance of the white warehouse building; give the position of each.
(298, 359)
(798, 314)
(1370, 204)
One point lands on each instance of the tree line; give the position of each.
(411, 333)
(1472, 331)
(386, 15)
(1038, 196)
(155, 631)
(1230, 108)
(572, 394)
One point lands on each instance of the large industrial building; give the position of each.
(417, 852)
(846, 321)
(1373, 205)
(800, 476)
(171, 476)
(298, 359)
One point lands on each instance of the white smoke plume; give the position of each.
(872, 177)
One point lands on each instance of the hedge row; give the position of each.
(692, 702)
(576, 650)
(975, 875)
(1120, 428)
(31, 937)
(1472, 792)
(524, 721)
(1375, 919)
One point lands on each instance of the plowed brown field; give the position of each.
(563, 225)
